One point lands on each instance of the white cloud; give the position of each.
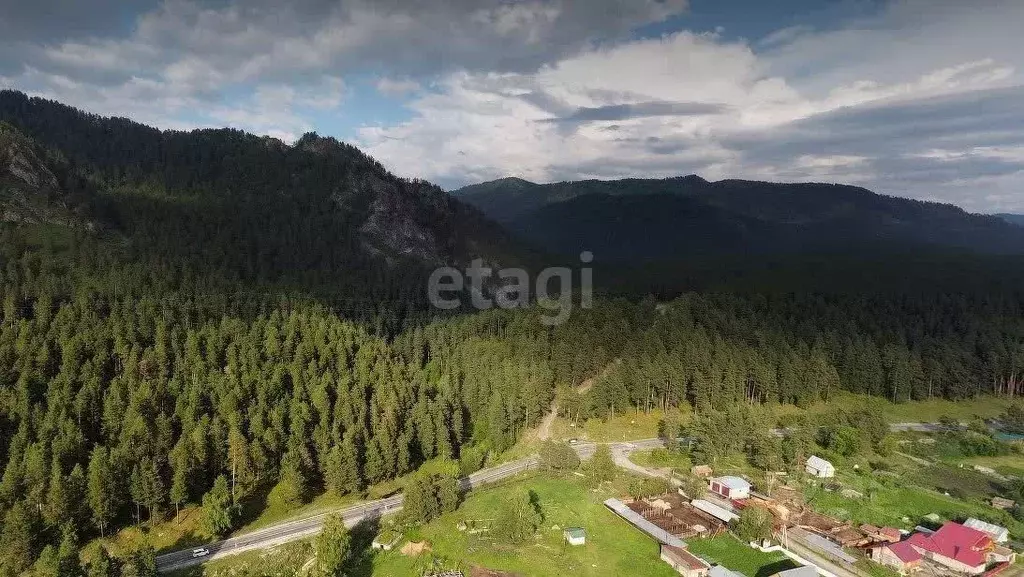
(916, 99)
(273, 109)
(784, 35)
(873, 122)
(397, 87)
(187, 57)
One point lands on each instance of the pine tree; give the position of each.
(140, 563)
(519, 517)
(18, 533)
(58, 502)
(218, 512)
(101, 564)
(102, 494)
(332, 548)
(602, 466)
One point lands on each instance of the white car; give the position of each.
(202, 552)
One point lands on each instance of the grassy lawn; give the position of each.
(729, 552)
(658, 458)
(174, 533)
(613, 546)
(964, 483)
(1011, 465)
(625, 427)
(266, 512)
(887, 500)
(645, 425)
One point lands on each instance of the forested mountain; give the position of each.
(37, 186)
(217, 318)
(181, 306)
(637, 219)
(260, 207)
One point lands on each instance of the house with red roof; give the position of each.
(900, 556)
(955, 547)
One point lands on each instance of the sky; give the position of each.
(915, 98)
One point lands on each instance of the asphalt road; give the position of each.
(302, 528)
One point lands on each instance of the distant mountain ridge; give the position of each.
(1017, 219)
(655, 219)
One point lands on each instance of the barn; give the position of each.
(730, 487)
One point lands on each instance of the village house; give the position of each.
(960, 548)
(819, 467)
(730, 487)
(902, 557)
(684, 562)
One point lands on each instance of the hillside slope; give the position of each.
(259, 206)
(637, 219)
(37, 187)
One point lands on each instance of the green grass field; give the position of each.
(729, 552)
(910, 493)
(964, 483)
(174, 533)
(613, 546)
(624, 427)
(1010, 465)
(661, 458)
(269, 512)
(634, 425)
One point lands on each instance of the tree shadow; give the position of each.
(773, 568)
(363, 553)
(253, 505)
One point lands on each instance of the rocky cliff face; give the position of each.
(392, 226)
(30, 189)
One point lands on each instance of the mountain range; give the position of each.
(317, 212)
(659, 219)
(322, 212)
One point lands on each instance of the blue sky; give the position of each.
(918, 98)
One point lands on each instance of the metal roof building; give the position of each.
(998, 534)
(634, 518)
(829, 548)
(720, 513)
(802, 571)
(819, 467)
